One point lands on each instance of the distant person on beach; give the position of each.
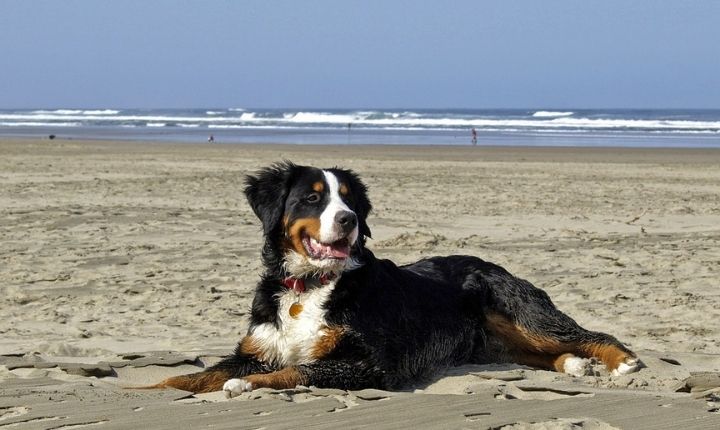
(474, 136)
(211, 139)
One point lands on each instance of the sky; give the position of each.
(355, 54)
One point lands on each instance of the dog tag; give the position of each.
(295, 309)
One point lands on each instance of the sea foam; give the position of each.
(78, 112)
(503, 121)
(39, 124)
(550, 114)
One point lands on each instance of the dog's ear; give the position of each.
(266, 192)
(362, 203)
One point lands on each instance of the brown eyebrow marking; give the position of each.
(318, 187)
(344, 189)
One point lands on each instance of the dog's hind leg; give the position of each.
(562, 348)
(617, 358)
(536, 333)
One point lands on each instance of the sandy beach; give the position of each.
(125, 262)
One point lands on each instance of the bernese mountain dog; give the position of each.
(328, 313)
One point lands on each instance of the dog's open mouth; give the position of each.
(321, 251)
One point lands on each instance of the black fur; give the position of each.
(267, 193)
(403, 323)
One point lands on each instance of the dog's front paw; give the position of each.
(234, 387)
(630, 365)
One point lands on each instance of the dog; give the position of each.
(328, 313)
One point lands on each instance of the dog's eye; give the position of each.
(313, 198)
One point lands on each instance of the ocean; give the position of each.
(533, 127)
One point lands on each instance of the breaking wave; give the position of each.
(398, 120)
(78, 112)
(550, 114)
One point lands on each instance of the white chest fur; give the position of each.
(292, 342)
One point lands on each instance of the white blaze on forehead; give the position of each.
(329, 231)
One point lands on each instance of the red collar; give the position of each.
(298, 284)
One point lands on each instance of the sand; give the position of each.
(122, 263)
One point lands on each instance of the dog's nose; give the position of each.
(346, 220)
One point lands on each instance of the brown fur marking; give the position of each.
(530, 348)
(327, 343)
(344, 190)
(202, 382)
(309, 226)
(289, 377)
(318, 187)
(248, 345)
(611, 355)
(519, 339)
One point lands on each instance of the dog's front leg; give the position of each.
(323, 373)
(246, 360)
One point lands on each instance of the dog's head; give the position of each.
(314, 220)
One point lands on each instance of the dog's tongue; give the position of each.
(339, 249)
